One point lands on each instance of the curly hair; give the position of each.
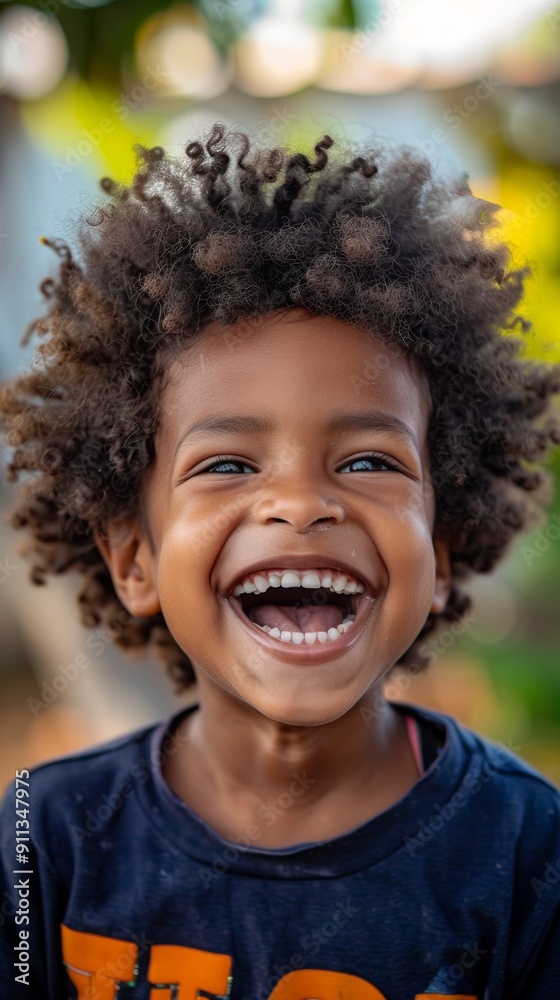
(234, 229)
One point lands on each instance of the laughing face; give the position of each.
(291, 515)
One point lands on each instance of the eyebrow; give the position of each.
(224, 425)
(371, 420)
(358, 420)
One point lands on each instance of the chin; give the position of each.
(302, 713)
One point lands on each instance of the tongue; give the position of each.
(292, 619)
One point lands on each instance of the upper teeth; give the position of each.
(339, 583)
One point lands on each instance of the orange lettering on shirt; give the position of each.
(188, 970)
(324, 985)
(95, 964)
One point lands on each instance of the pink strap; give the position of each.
(414, 739)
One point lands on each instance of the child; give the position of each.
(276, 424)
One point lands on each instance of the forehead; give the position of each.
(292, 363)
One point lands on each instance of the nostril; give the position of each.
(293, 522)
(302, 512)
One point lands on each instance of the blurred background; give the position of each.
(472, 83)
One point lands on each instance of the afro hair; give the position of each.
(233, 229)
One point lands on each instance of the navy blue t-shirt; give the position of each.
(454, 891)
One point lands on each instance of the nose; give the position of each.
(299, 505)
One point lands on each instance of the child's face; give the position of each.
(292, 488)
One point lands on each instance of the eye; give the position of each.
(376, 461)
(226, 465)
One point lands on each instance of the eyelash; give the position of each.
(225, 460)
(376, 456)
(372, 456)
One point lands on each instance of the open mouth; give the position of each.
(311, 606)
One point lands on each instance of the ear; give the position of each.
(130, 561)
(442, 587)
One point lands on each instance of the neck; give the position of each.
(242, 751)
(254, 780)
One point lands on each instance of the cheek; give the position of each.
(406, 548)
(193, 537)
(182, 571)
(184, 592)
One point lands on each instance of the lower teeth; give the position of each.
(309, 638)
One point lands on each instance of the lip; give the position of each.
(319, 652)
(304, 654)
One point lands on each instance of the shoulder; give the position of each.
(524, 798)
(88, 764)
(501, 757)
(62, 789)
